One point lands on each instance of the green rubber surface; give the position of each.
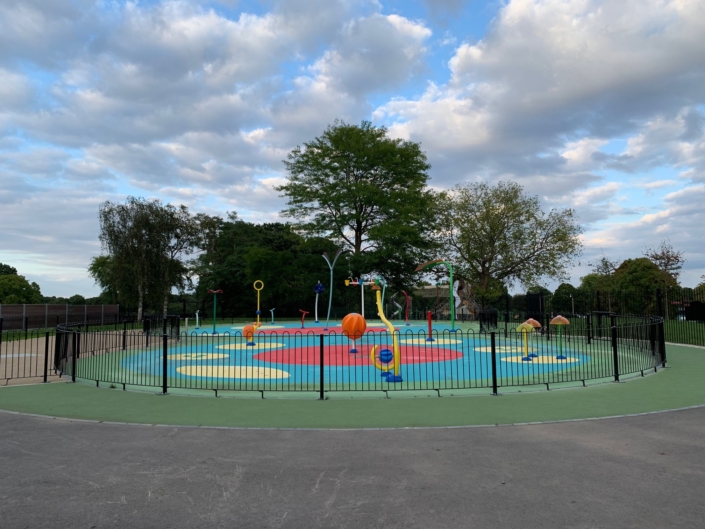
(678, 386)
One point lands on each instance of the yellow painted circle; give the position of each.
(232, 372)
(504, 349)
(540, 360)
(196, 356)
(436, 341)
(258, 345)
(369, 325)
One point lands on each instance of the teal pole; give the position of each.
(215, 297)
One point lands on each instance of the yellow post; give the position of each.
(258, 289)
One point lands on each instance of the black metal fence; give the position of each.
(324, 362)
(47, 316)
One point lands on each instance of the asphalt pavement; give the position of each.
(645, 471)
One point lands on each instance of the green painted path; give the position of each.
(681, 385)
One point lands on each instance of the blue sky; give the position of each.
(592, 105)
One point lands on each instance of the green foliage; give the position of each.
(594, 281)
(239, 253)
(641, 274)
(356, 186)
(500, 233)
(565, 298)
(6, 270)
(16, 289)
(145, 242)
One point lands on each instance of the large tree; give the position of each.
(145, 241)
(367, 191)
(500, 233)
(667, 258)
(16, 289)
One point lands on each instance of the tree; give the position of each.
(641, 274)
(356, 185)
(668, 259)
(500, 233)
(564, 299)
(145, 241)
(16, 289)
(604, 266)
(6, 270)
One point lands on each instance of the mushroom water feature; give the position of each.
(535, 325)
(560, 321)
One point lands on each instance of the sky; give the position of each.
(593, 105)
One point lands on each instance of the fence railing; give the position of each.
(45, 316)
(300, 361)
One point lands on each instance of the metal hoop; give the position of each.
(255, 285)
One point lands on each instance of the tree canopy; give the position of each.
(16, 289)
(145, 242)
(499, 233)
(366, 191)
(6, 270)
(667, 258)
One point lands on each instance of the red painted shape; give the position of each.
(291, 331)
(339, 355)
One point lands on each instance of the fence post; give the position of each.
(124, 335)
(320, 371)
(165, 363)
(615, 355)
(46, 316)
(589, 328)
(74, 356)
(662, 342)
(494, 363)
(46, 355)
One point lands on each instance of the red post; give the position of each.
(430, 335)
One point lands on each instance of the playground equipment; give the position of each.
(249, 332)
(215, 295)
(535, 325)
(258, 324)
(429, 317)
(360, 282)
(449, 266)
(196, 320)
(272, 311)
(387, 360)
(303, 315)
(397, 312)
(529, 325)
(526, 328)
(560, 321)
(330, 295)
(408, 304)
(354, 326)
(318, 289)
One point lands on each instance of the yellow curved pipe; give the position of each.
(395, 343)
